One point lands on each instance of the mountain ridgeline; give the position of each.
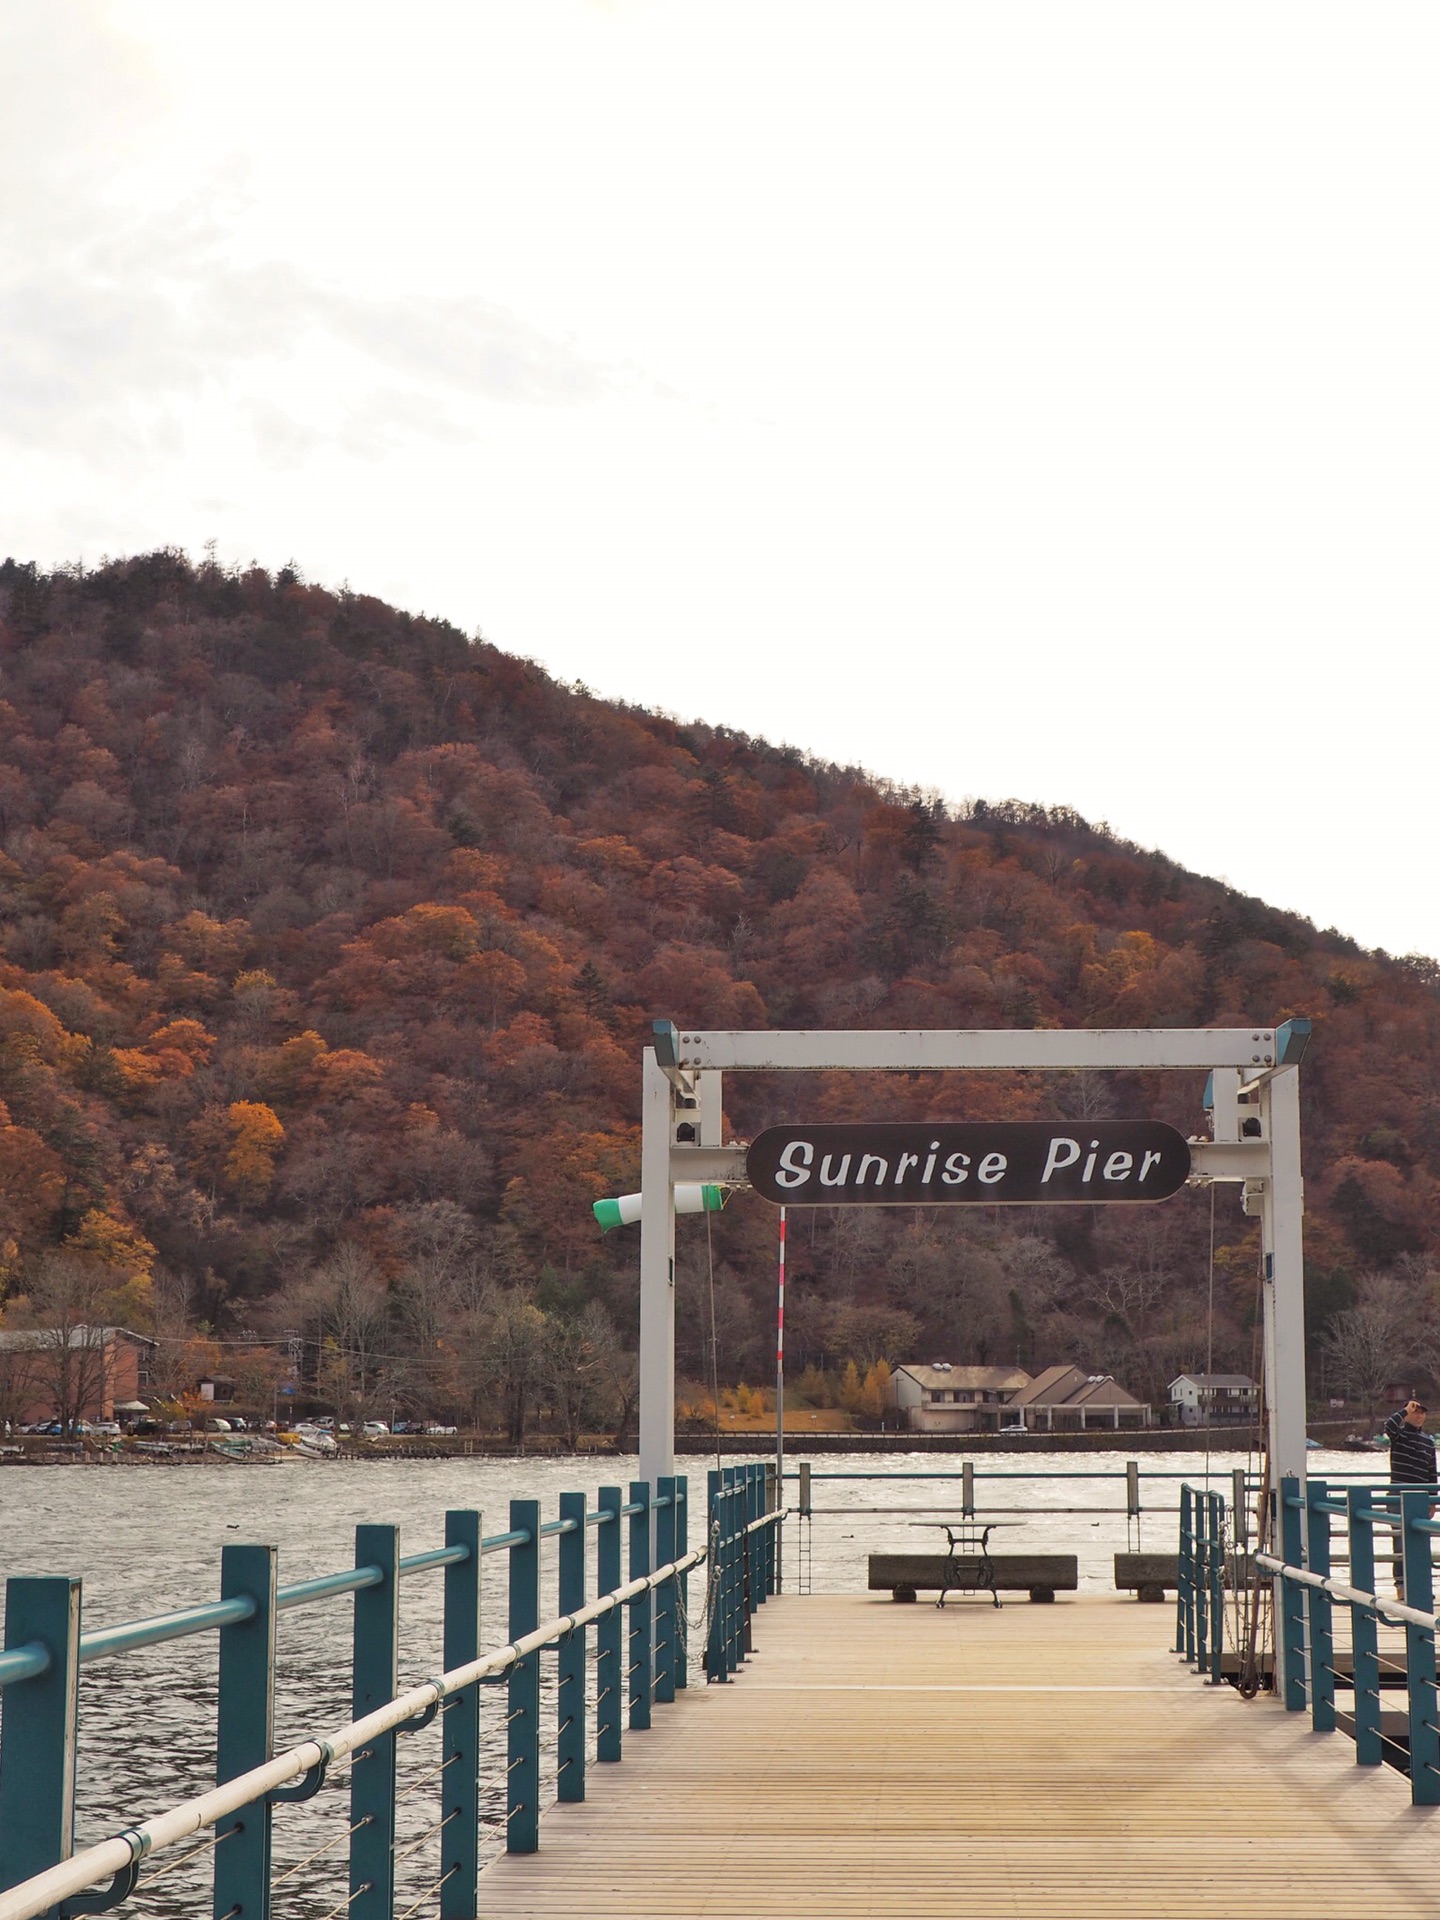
(329, 939)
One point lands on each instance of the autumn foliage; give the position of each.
(316, 917)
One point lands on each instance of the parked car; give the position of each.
(111, 1428)
(375, 1430)
(433, 1426)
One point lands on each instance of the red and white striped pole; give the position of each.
(780, 1390)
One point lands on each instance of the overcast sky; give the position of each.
(1017, 399)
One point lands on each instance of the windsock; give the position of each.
(691, 1196)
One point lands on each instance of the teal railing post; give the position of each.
(666, 1515)
(1364, 1639)
(1184, 1590)
(764, 1539)
(1292, 1606)
(682, 1598)
(608, 1737)
(37, 1761)
(638, 1650)
(1200, 1578)
(373, 1685)
(570, 1669)
(1320, 1608)
(717, 1655)
(245, 1730)
(1217, 1589)
(1420, 1652)
(460, 1723)
(739, 1514)
(759, 1582)
(522, 1747)
(736, 1571)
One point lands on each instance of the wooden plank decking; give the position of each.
(878, 1760)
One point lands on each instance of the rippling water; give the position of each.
(149, 1539)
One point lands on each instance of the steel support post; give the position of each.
(460, 1724)
(608, 1629)
(1282, 1207)
(37, 1761)
(1420, 1652)
(571, 1660)
(666, 1624)
(682, 1598)
(657, 1275)
(639, 1654)
(1281, 1216)
(373, 1685)
(1319, 1608)
(522, 1745)
(245, 1730)
(1364, 1638)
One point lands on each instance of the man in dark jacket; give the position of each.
(1412, 1460)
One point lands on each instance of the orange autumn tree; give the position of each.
(256, 1137)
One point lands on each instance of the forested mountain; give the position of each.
(331, 937)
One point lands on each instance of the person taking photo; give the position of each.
(1412, 1461)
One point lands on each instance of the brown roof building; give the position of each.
(942, 1398)
(1068, 1400)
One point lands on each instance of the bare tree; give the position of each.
(64, 1318)
(1376, 1339)
(507, 1355)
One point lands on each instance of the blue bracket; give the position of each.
(310, 1784)
(120, 1888)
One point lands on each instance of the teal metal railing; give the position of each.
(1200, 1590)
(639, 1643)
(1309, 1594)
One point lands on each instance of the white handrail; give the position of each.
(37, 1895)
(1391, 1609)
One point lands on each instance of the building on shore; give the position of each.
(941, 1398)
(1214, 1399)
(1068, 1400)
(71, 1373)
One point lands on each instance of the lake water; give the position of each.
(149, 1539)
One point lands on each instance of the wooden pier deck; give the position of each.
(1040, 1761)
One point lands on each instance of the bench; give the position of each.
(1150, 1576)
(1041, 1575)
(1147, 1575)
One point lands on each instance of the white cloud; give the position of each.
(1033, 401)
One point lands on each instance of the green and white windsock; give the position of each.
(691, 1196)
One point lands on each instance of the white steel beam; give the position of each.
(916, 1051)
(657, 1275)
(1281, 1210)
(1230, 1159)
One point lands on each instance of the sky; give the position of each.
(1034, 400)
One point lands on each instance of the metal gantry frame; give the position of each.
(1253, 1100)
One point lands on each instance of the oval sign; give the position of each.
(1011, 1163)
